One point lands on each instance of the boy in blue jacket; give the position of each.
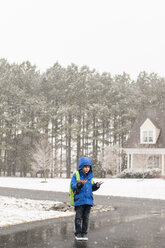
(83, 199)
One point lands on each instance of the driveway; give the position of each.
(134, 223)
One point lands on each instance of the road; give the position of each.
(134, 223)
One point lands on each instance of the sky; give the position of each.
(15, 211)
(112, 36)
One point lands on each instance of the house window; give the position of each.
(153, 162)
(144, 136)
(150, 136)
(147, 136)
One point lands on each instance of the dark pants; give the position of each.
(82, 219)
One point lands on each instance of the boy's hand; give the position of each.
(83, 182)
(99, 183)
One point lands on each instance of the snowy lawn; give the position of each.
(147, 188)
(14, 211)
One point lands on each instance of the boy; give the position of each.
(83, 198)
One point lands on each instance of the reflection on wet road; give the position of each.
(111, 229)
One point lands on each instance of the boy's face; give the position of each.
(86, 169)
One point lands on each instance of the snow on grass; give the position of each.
(52, 184)
(147, 188)
(14, 211)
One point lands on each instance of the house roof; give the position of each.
(157, 116)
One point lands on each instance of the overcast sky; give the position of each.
(108, 35)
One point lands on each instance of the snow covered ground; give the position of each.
(15, 211)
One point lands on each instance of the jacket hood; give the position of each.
(84, 161)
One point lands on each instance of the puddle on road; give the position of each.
(116, 233)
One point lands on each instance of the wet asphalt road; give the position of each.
(134, 223)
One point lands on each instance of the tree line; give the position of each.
(77, 110)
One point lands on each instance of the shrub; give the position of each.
(139, 173)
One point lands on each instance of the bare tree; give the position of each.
(42, 157)
(111, 159)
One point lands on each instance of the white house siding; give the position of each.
(139, 157)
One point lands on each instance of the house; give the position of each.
(145, 146)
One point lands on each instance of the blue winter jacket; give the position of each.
(84, 196)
